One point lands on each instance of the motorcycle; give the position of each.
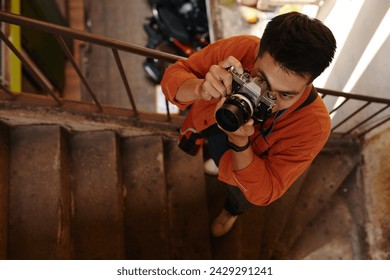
(176, 26)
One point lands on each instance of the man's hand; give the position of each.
(216, 84)
(218, 81)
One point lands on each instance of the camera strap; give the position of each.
(266, 132)
(312, 96)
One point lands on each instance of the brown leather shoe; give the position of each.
(223, 223)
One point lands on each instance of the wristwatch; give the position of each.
(236, 148)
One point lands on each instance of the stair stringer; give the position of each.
(328, 170)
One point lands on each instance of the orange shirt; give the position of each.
(296, 138)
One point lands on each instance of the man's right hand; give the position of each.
(216, 84)
(218, 81)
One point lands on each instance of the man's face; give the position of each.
(287, 86)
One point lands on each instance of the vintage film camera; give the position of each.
(250, 99)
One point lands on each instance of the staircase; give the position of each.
(96, 195)
(105, 194)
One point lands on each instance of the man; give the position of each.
(260, 160)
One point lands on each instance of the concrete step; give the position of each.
(38, 200)
(4, 188)
(333, 221)
(145, 200)
(327, 173)
(337, 232)
(97, 192)
(339, 248)
(187, 204)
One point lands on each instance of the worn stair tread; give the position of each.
(339, 248)
(145, 212)
(343, 219)
(334, 220)
(97, 193)
(37, 197)
(4, 187)
(187, 202)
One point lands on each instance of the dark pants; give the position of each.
(235, 203)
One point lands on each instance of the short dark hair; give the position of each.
(298, 43)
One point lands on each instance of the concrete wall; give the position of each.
(376, 177)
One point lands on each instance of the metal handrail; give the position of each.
(30, 68)
(364, 98)
(85, 36)
(115, 45)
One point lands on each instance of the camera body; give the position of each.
(250, 99)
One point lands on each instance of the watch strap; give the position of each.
(236, 148)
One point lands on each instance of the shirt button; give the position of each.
(205, 122)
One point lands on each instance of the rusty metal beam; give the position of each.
(78, 71)
(30, 68)
(124, 80)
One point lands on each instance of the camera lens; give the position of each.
(229, 117)
(235, 112)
